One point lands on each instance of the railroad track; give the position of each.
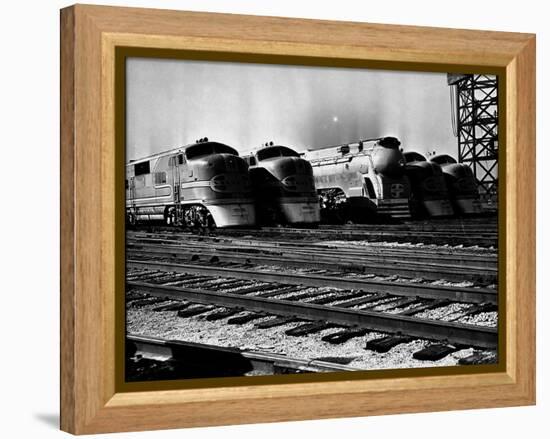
(349, 247)
(193, 360)
(483, 239)
(382, 261)
(409, 289)
(318, 284)
(482, 225)
(339, 313)
(470, 232)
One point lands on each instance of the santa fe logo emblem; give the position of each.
(396, 190)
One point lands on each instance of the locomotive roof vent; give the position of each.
(344, 149)
(203, 140)
(389, 142)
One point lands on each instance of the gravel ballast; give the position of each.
(167, 325)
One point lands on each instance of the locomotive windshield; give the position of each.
(412, 156)
(443, 159)
(208, 148)
(276, 151)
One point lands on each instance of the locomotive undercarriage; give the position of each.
(196, 218)
(335, 206)
(193, 217)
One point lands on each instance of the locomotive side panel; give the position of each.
(209, 188)
(148, 191)
(367, 177)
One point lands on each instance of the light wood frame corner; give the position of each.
(90, 36)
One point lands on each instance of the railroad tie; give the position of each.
(434, 352)
(334, 298)
(133, 295)
(364, 298)
(382, 345)
(279, 291)
(343, 336)
(241, 320)
(309, 328)
(277, 321)
(476, 309)
(429, 305)
(483, 357)
(254, 288)
(172, 307)
(190, 312)
(222, 314)
(306, 295)
(139, 303)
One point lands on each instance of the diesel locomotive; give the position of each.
(362, 179)
(204, 185)
(283, 186)
(461, 183)
(429, 194)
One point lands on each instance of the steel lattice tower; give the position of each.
(475, 101)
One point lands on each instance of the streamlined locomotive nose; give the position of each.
(216, 164)
(388, 161)
(284, 167)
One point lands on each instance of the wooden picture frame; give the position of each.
(92, 235)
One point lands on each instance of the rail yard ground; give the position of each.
(349, 297)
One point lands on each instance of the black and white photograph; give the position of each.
(291, 219)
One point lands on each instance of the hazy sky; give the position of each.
(171, 103)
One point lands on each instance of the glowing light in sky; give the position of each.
(335, 118)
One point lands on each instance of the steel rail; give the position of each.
(423, 227)
(457, 294)
(190, 352)
(417, 236)
(332, 262)
(450, 332)
(365, 232)
(465, 238)
(423, 256)
(276, 249)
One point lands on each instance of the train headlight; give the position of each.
(218, 183)
(290, 183)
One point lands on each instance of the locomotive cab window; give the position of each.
(142, 168)
(202, 149)
(276, 151)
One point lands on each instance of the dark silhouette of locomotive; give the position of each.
(461, 184)
(429, 194)
(283, 186)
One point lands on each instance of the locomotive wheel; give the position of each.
(131, 218)
(210, 222)
(170, 217)
(197, 219)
